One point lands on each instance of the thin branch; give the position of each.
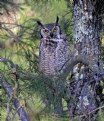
(8, 107)
(20, 110)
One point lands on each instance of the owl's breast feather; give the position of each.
(56, 40)
(49, 43)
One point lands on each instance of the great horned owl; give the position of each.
(54, 48)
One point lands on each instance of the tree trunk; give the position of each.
(87, 41)
(87, 31)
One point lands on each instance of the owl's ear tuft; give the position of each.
(57, 20)
(40, 24)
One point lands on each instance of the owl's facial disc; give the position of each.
(51, 32)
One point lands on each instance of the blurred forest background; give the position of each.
(19, 42)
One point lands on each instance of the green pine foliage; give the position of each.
(21, 45)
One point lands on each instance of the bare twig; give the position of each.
(8, 107)
(20, 110)
(9, 90)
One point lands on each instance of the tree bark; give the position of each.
(87, 41)
(87, 30)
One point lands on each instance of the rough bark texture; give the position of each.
(87, 31)
(87, 41)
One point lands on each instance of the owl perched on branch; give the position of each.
(53, 53)
(54, 48)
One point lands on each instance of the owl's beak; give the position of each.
(51, 34)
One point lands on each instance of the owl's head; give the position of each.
(50, 31)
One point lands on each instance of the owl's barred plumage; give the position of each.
(54, 49)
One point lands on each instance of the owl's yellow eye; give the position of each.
(54, 29)
(46, 31)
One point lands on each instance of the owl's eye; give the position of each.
(54, 29)
(46, 31)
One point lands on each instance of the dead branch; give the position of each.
(20, 110)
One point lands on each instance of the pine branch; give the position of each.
(20, 110)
